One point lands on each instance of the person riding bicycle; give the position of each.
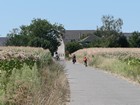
(85, 61)
(74, 58)
(57, 56)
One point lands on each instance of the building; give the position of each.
(3, 41)
(75, 35)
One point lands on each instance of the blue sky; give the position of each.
(73, 14)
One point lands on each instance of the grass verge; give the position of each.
(29, 76)
(117, 66)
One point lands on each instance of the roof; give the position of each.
(89, 38)
(127, 34)
(3, 40)
(70, 34)
(75, 34)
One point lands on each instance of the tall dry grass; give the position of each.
(108, 52)
(54, 87)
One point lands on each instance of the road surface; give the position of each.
(89, 86)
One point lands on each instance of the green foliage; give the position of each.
(134, 39)
(9, 65)
(122, 41)
(110, 24)
(117, 41)
(98, 43)
(110, 33)
(15, 38)
(21, 84)
(132, 61)
(20, 76)
(39, 42)
(40, 33)
(73, 46)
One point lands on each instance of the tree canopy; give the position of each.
(110, 32)
(40, 33)
(73, 46)
(134, 39)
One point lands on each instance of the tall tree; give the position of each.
(40, 33)
(16, 38)
(110, 31)
(111, 24)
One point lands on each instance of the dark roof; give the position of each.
(3, 40)
(127, 34)
(75, 34)
(70, 34)
(90, 38)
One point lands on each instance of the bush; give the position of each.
(73, 46)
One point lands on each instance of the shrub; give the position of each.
(73, 46)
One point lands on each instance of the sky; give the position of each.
(72, 14)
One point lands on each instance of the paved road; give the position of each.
(89, 86)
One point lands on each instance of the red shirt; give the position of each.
(85, 59)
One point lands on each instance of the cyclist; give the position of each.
(85, 61)
(74, 59)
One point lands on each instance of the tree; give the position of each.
(40, 33)
(17, 39)
(110, 31)
(122, 41)
(72, 47)
(110, 24)
(97, 43)
(117, 41)
(39, 42)
(134, 39)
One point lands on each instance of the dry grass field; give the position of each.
(109, 52)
